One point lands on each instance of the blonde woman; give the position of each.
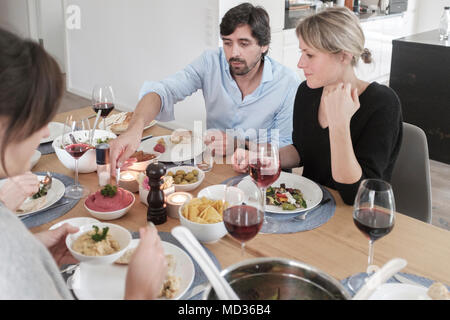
(344, 129)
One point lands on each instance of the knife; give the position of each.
(405, 280)
(146, 137)
(117, 176)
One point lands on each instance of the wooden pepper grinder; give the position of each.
(156, 211)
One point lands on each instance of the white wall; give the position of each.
(14, 17)
(125, 43)
(51, 26)
(429, 13)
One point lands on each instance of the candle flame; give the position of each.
(127, 176)
(179, 198)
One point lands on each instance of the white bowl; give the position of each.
(76, 222)
(86, 163)
(120, 234)
(217, 192)
(190, 186)
(204, 232)
(110, 215)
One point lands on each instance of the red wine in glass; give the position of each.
(373, 223)
(263, 175)
(78, 149)
(105, 108)
(243, 222)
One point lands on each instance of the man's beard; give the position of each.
(244, 69)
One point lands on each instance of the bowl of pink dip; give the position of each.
(109, 208)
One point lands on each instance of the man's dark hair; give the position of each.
(256, 17)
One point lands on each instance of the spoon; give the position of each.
(220, 285)
(74, 141)
(379, 277)
(91, 139)
(47, 181)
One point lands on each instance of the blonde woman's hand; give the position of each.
(17, 189)
(339, 103)
(148, 267)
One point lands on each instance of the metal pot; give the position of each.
(279, 279)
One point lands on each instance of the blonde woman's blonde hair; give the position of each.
(335, 30)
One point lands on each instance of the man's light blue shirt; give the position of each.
(269, 106)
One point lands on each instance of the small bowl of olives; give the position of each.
(186, 178)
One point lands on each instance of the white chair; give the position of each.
(411, 180)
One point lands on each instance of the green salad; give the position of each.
(286, 198)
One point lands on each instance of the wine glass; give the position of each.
(103, 99)
(373, 215)
(265, 169)
(244, 211)
(75, 140)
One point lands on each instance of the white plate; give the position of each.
(107, 282)
(35, 158)
(76, 222)
(56, 129)
(311, 191)
(55, 193)
(399, 291)
(174, 152)
(118, 118)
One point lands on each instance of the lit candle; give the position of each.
(128, 181)
(175, 201)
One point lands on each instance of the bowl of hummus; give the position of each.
(99, 243)
(109, 203)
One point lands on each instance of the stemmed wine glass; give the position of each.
(373, 215)
(75, 141)
(103, 99)
(244, 211)
(264, 168)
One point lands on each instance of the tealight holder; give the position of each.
(128, 181)
(174, 201)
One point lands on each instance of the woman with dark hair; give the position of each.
(31, 86)
(344, 129)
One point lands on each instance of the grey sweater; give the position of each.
(27, 269)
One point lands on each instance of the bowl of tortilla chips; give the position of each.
(204, 218)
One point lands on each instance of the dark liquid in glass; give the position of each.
(243, 222)
(375, 224)
(105, 107)
(77, 150)
(259, 174)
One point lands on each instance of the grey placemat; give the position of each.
(285, 223)
(46, 215)
(200, 276)
(420, 280)
(46, 148)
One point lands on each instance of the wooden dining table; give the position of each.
(337, 247)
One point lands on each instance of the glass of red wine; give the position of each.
(103, 99)
(244, 211)
(374, 216)
(75, 140)
(264, 168)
